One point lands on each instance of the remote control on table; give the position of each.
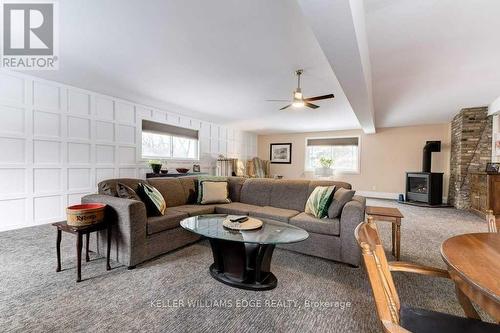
(239, 219)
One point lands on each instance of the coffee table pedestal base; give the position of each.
(243, 265)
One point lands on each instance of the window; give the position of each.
(162, 141)
(343, 151)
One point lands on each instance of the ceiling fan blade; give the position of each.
(277, 100)
(283, 108)
(310, 105)
(317, 98)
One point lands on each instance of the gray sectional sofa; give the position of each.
(137, 238)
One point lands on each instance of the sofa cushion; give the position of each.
(194, 210)
(340, 198)
(189, 184)
(171, 189)
(257, 191)
(170, 220)
(234, 187)
(310, 223)
(289, 194)
(277, 214)
(235, 208)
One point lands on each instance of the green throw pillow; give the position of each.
(201, 179)
(318, 202)
(155, 203)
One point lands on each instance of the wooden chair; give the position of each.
(397, 318)
(492, 221)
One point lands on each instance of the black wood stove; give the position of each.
(426, 186)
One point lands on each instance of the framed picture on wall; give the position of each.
(281, 153)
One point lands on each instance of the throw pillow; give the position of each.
(105, 189)
(126, 192)
(319, 200)
(340, 198)
(201, 179)
(155, 203)
(214, 192)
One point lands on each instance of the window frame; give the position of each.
(337, 171)
(146, 158)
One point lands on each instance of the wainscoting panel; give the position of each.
(46, 152)
(59, 141)
(12, 120)
(46, 96)
(13, 182)
(12, 214)
(104, 154)
(47, 180)
(13, 150)
(105, 131)
(12, 89)
(78, 153)
(78, 103)
(46, 124)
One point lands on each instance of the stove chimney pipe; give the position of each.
(429, 148)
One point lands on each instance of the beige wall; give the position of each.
(385, 156)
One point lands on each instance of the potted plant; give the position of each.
(155, 165)
(326, 169)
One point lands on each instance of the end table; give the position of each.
(79, 232)
(392, 215)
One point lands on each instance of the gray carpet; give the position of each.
(175, 293)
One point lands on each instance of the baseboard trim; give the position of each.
(378, 195)
(384, 195)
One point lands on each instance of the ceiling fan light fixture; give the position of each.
(297, 94)
(298, 100)
(298, 103)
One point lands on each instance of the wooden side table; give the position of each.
(79, 232)
(392, 215)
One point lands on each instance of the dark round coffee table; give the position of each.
(242, 259)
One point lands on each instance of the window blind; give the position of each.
(333, 142)
(159, 128)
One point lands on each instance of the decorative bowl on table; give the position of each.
(164, 171)
(182, 170)
(85, 214)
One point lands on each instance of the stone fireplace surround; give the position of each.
(471, 137)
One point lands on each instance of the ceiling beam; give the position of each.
(339, 27)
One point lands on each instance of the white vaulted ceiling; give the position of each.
(219, 60)
(391, 63)
(430, 58)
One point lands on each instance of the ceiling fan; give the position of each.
(298, 99)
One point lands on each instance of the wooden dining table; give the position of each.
(473, 262)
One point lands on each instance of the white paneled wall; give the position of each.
(57, 142)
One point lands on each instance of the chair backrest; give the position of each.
(492, 223)
(384, 291)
